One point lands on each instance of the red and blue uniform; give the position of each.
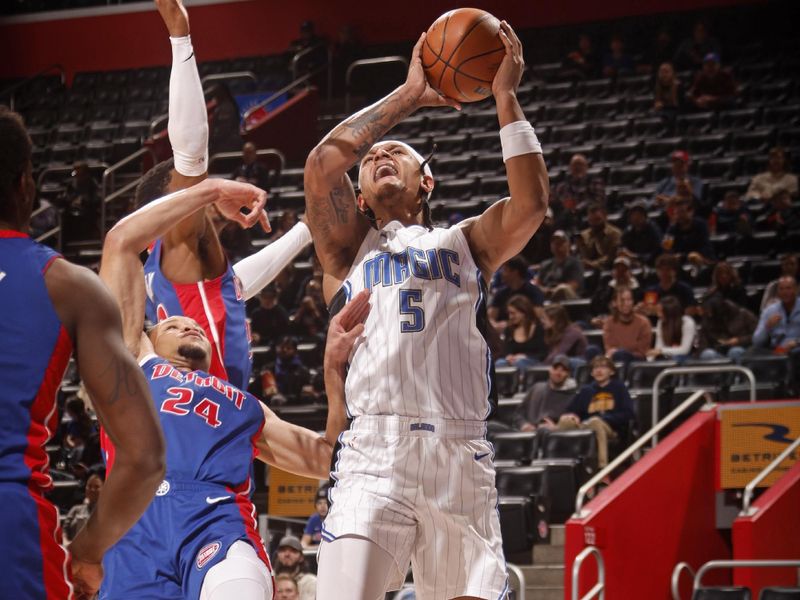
(34, 352)
(216, 304)
(203, 505)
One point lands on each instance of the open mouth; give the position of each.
(385, 170)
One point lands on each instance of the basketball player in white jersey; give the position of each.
(414, 480)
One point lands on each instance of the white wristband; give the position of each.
(519, 138)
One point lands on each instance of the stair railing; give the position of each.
(749, 489)
(15, 87)
(367, 62)
(676, 577)
(732, 564)
(598, 590)
(108, 183)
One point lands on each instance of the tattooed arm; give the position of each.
(336, 226)
(121, 398)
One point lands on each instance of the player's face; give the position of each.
(182, 339)
(389, 178)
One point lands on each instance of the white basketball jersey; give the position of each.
(423, 353)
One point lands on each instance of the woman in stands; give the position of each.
(726, 284)
(524, 335)
(668, 96)
(562, 336)
(675, 332)
(726, 330)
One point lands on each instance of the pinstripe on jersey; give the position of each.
(424, 353)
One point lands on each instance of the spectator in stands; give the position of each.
(346, 49)
(269, 321)
(291, 375)
(765, 185)
(289, 283)
(286, 587)
(668, 96)
(312, 534)
(667, 188)
(251, 170)
(621, 278)
(516, 281)
(691, 51)
(561, 277)
(627, 336)
(80, 425)
(598, 243)
(537, 250)
(562, 336)
(78, 515)
(308, 38)
(616, 61)
(688, 236)
(726, 330)
(668, 285)
(790, 267)
(575, 193)
(731, 216)
(714, 87)
(289, 560)
(523, 336)
(286, 221)
(726, 284)
(80, 201)
(604, 406)
(546, 401)
(778, 329)
(661, 51)
(582, 62)
(782, 216)
(641, 240)
(675, 331)
(310, 320)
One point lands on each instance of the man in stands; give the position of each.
(668, 285)
(598, 243)
(546, 401)
(627, 336)
(561, 277)
(714, 87)
(688, 238)
(641, 240)
(604, 406)
(571, 196)
(667, 188)
(514, 275)
(778, 329)
(251, 171)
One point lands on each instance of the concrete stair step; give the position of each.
(545, 593)
(548, 555)
(543, 575)
(558, 535)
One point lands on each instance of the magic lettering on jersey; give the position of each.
(231, 393)
(387, 269)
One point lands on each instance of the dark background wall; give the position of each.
(258, 27)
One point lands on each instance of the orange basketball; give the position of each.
(462, 52)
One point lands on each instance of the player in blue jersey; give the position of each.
(48, 308)
(198, 539)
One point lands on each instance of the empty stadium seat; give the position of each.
(662, 148)
(757, 141)
(532, 375)
(718, 168)
(521, 481)
(517, 523)
(714, 144)
(621, 152)
(779, 593)
(695, 124)
(722, 593)
(602, 110)
(577, 444)
(637, 85)
(629, 175)
(611, 131)
(506, 380)
(642, 374)
(739, 119)
(518, 447)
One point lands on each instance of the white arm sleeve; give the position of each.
(188, 119)
(256, 271)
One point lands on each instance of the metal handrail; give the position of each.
(381, 60)
(747, 510)
(16, 86)
(732, 564)
(261, 152)
(599, 587)
(676, 575)
(598, 477)
(66, 169)
(108, 175)
(691, 370)
(164, 117)
(520, 595)
(287, 88)
(305, 51)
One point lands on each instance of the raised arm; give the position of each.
(121, 268)
(504, 229)
(124, 407)
(336, 226)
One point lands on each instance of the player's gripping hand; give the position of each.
(417, 84)
(86, 578)
(509, 74)
(235, 196)
(345, 328)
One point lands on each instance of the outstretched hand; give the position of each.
(234, 196)
(86, 578)
(346, 327)
(417, 83)
(509, 74)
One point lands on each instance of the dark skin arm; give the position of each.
(124, 408)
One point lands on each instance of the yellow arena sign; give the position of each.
(752, 436)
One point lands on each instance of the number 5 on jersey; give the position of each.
(411, 313)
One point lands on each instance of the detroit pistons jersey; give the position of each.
(216, 304)
(34, 351)
(424, 351)
(209, 425)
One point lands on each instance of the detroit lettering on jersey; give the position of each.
(230, 392)
(387, 269)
